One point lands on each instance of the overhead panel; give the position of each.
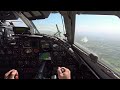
(36, 13)
(33, 15)
(7, 15)
(27, 14)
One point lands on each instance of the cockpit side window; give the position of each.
(16, 23)
(100, 34)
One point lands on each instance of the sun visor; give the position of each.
(32, 15)
(7, 15)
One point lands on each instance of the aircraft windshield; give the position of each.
(16, 23)
(101, 35)
(53, 25)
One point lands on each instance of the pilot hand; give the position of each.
(63, 73)
(12, 74)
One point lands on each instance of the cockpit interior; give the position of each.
(37, 56)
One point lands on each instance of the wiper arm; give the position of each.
(58, 31)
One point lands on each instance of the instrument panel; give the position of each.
(27, 53)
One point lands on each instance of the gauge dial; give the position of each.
(26, 44)
(55, 47)
(28, 50)
(9, 52)
(36, 50)
(55, 53)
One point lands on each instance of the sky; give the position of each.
(98, 23)
(50, 23)
(84, 23)
(18, 22)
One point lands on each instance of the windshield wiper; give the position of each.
(58, 32)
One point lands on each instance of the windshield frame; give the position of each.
(60, 28)
(87, 51)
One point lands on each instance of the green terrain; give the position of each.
(105, 46)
